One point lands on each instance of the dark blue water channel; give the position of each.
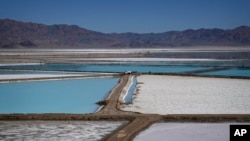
(128, 98)
(62, 96)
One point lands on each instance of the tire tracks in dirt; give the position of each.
(138, 122)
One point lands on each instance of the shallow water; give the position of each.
(186, 131)
(143, 67)
(110, 67)
(57, 130)
(61, 96)
(140, 68)
(129, 95)
(230, 72)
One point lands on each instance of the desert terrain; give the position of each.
(224, 100)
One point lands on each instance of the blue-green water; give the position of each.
(129, 96)
(140, 68)
(230, 72)
(111, 67)
(63, 96)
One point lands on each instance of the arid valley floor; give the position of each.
(158, 98)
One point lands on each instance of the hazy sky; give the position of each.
(131, 15)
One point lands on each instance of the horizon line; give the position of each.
(200, 28)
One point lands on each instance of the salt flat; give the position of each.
(145, 59)
(81, 55)
(191, 95)
(57, 130)
(120, 51)
(187, 132)
(33, 76)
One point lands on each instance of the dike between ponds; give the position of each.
(110, 111)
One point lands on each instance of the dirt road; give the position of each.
(137, 121)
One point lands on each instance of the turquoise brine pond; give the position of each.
(143, 68)
(129, 97)
(62, 96)
(230, 72)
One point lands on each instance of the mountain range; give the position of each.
(16, 34)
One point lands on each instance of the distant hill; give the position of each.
(15, 34)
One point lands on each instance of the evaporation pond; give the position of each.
(110, 67)
(230, 72)
(60, 96)
(187, 132)
(57, 130)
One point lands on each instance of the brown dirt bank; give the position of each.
(64, 117)
(137, 122)
(112, 101)
(131, 117)
(207, 118)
